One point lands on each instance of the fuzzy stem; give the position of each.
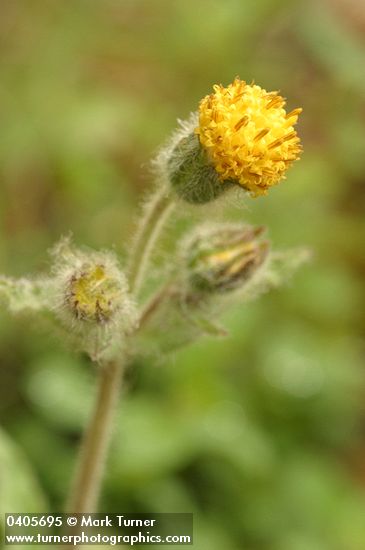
(155, 215)
(89, 473)
(153, 305)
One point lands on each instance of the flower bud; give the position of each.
(94, 294)
(93, 298)
(223, 257)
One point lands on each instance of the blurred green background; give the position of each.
(262, 435)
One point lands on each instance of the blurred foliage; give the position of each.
(260, 435)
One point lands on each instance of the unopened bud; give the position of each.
(93, 294)
(223, 257)
(92, 291)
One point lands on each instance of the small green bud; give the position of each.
(93, 301)
(224, 257)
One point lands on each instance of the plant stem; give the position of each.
(87, 483)
(153, 305)
(156, 212)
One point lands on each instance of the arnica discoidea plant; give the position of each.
(240, 137)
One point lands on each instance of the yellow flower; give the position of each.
(249, 137)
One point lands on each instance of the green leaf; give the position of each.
(20, 491)
(19, 488)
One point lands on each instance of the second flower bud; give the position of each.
(221, 258)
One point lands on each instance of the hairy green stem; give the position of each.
(95, 445)
(156, 213)
(153, 305)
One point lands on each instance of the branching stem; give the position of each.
(155, 215)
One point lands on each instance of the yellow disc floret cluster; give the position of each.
(249, 137)
(93, 294)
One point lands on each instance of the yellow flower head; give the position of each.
(248, 135)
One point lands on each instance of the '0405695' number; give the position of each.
(21, 520)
